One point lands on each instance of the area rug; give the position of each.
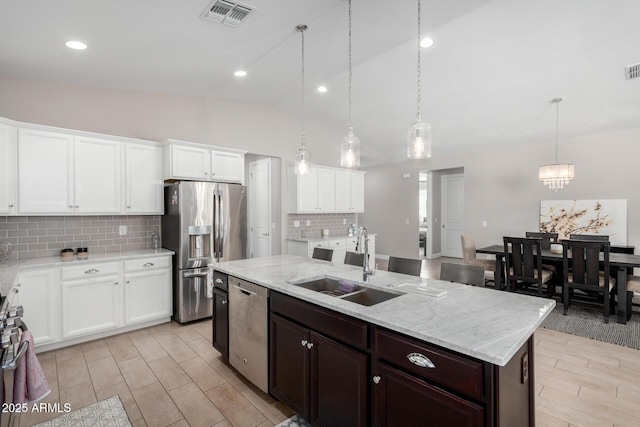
(109, 412)
(295, 421)
(588, 322)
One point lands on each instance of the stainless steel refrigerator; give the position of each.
(204, 223)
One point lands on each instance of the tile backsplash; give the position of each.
(44, 236)
(334, 222)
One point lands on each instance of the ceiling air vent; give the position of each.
(227, 12)
(632, 71)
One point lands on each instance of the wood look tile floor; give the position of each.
(170, 375)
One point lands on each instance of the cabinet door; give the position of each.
(45, 172)
(338, 384)
(227, 166)
(7, 170)
(97, 175)
(343, 190)
(357, 192)
(90, 306)
(190, 162)
(307, 191)
(143, 165)
(289, 364)
(221, 321)
(39, 295)
(147, 295)
(400, 399)
(326, 190)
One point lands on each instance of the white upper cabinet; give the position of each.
(7, 170)
(143, 179)
(313, 192)
(199, 162)
(349, 191)
(63, 174)
(45, 172)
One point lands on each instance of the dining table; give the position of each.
(619, 263)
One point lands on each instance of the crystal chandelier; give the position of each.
(557, 175)
(303, 156)
(350, 146)
(419, 133)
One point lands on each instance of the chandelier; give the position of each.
(557, 175)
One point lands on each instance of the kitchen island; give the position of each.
(479, 339)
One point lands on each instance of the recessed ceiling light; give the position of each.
(240, 73)
(322, 89)
(426, 42)
(75, 44)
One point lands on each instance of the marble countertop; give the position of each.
(322, 239)
(484, 323)
(9, 269)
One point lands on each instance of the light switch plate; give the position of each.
(123, 230)
(296, 224)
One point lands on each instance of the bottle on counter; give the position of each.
(155, 239)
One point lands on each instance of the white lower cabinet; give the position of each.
(92, 298)
(39, 295)
(147, 289)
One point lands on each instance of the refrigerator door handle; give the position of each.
(221, 231)
(216, 220)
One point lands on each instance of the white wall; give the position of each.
(502, 187)
(257, 128)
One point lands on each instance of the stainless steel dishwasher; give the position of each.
(248, 326)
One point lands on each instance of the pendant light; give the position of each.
(303, 156)
(419, 133)
(350, 146)
(557, 175)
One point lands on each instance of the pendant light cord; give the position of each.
(302, 28)
(350, 124)
(557, 122)
(419, 113)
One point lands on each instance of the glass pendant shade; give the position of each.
(556, 176)
(350, 151)
(419, 140)
(303, 161)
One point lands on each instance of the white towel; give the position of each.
(210, 283)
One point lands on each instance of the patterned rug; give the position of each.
(588, 322)
(105, 413)
(295, 421)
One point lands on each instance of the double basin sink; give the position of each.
(348, 291)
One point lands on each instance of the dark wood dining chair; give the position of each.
(546, 239)
(590, 237)
(322, 253)
(405, 265)
(524, 266)
(586, 276)
(461, 273)
(354, 258)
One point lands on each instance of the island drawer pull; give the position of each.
(218, 280)
(420, 360)
(376, 379)
(148, 264)
(92, 271)
(304, 343)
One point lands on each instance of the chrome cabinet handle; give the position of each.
(310, 345)
(70, 206)
(224, 301)
(206, 173)
(127, 282)
(218, 280)
(77, 207)
(91, 271)
(148, 264)
(10, 206)
(376, 379)
(420, 360)
(304, 343)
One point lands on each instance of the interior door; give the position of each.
(260, 208)
(452, 215)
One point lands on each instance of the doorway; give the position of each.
(422, 214)
(260, 208)
(452, 193)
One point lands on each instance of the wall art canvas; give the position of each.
(565, 217)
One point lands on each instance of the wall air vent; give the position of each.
(227, 12)
(632, 71)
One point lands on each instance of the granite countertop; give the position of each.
(9, 269)
(484, 323)
(323, 239)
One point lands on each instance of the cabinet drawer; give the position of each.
(88, 271)
(337, 243)
(451, 371)
(147, 264)
(220, 280)
(352, 241)
(328, 322)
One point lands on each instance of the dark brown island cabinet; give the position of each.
(221, 313)
(335, 370)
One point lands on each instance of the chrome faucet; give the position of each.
(366, 272)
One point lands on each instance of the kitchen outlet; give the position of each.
(484, 223)
(308, 223)
(296, 224)
(524, 367)
(344, 221)
(123, 230)
(406, 221)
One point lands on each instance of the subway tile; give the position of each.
(17, 219)
(25, 240)
(8, 225)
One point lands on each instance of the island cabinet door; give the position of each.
(221, 321)
(338, 384)
(400, 399)
(289, 364)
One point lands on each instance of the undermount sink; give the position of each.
(348, 291)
